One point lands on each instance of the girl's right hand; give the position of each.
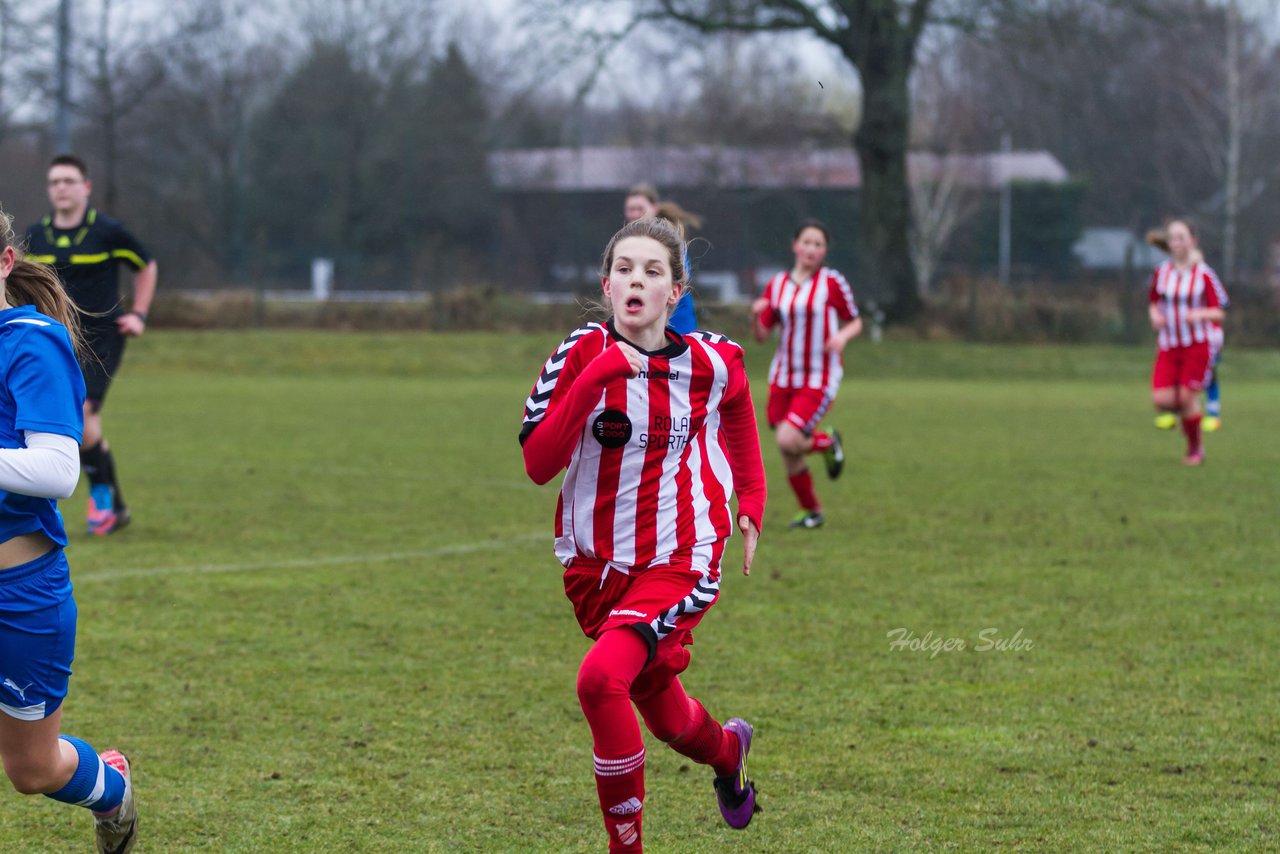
(635, 362)
(1157, 318)
(758, 307)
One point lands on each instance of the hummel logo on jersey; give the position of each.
(630, 806)
(13, 686)
(647, 374)
(626, 612)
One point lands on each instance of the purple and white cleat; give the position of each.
(737, 794)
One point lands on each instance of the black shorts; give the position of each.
(106, 348)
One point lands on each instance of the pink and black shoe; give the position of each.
(737, 794)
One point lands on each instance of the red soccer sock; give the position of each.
(821, 442)
(621, 796)
(1191, 428)
(802, 485)
(682, 722)
(604, 691)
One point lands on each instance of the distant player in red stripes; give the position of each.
(810, 303)
(1186, 299)
(657, 431)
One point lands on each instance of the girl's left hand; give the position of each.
(835, 344)
(750, 536)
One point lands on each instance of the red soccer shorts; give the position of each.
(663, 603)
(1187, 367)
(803, 408)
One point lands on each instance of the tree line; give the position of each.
(244, 139)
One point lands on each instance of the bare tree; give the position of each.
(878, 38)
(194, 135)
(123, 64)
(25, 58)
(946, 123)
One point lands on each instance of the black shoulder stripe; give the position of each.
(535, 406)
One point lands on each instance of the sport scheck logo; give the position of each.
(612, 428)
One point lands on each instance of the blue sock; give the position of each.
(95, 784)
(1212, 397)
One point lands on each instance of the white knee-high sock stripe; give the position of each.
(99, 785)
(618, 767)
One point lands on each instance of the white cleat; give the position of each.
(117, 831)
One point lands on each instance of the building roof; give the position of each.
(600, 169)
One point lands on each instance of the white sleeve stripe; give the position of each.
(846, 291)
(535, 406)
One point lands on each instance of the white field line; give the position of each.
(304, 563)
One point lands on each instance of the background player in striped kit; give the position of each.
(809, 302)
(642, 201)
(87, 248)
(1185, 298)
(40, 425)
(1213, 390)
(657, 431)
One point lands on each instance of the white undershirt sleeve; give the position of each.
(48, 467)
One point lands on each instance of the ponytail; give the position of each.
(38, 285)
(678, 216)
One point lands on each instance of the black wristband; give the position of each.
(141, 315)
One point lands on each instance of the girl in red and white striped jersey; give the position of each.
(1186, 298)
(655, 431)
(810, 302)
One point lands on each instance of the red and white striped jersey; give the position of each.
(1176, 292)
(810, 312)
(652, 471)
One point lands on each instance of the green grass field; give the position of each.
(336, 624)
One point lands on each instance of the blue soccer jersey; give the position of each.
(41, 391)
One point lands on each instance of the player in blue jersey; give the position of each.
(41, 420)
(642, 201)
(87, 248)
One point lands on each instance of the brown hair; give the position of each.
(812, 223)
(70, 160)
(678, 216)
(1157, 238)
(657, 229)
(649, 191)
(38, 285)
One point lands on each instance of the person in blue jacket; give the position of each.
(642, 201)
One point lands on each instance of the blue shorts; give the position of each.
(37, 636)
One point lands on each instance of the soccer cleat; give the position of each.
(1211, 424)
(1194, 458)
(1166, 421)
(123, 518)
(736, 793)
(834, 456)
(116, 832)
(807, 519)
(100, 514)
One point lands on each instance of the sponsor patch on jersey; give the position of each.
(612, 428)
